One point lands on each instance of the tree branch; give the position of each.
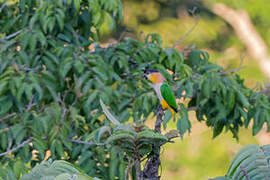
(232, 70)
(192, 11)
(245, 30)
(152, 164)
(85, 142)
(159, 120)
(179, 42)
(2, 7)
(13, 35)
(7, 116)
(192, 108)
(17, 147)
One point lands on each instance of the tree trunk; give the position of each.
(245, 30)
(153, 162)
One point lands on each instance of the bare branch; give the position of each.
(159, 120)
(13, 35)
(152, 165)
(190, 30)
(17, 147)
(187, 34)
(7, 116)
(2, 7)
(85, 142)
(129, 166)
(246, 31)
(232, 70)
(30, 105)
(192, 108)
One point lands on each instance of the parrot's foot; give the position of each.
(160, 108)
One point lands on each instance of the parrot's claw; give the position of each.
(160, 108)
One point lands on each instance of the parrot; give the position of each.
(163, 90)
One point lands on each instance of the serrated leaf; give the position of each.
(108, 114)
(77, 5)
(33, 42)
(183, 124)
(65, 66)
(167, 117)
(18, 168)
(104, 130)
(119, 136)
(152, 136)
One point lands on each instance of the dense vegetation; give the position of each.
(51, 84)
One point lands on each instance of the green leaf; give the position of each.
(51, 23)
(25, 39)
(108, 114)
(33, 42)
(84, 157)
(18, 168)
(242, 99)
(114, 162)
(251, 162)
(5, 107)
(119, 136)
(77, 4)
(65, 67)
(167, 117)
(152, 136)
(40, 146)
(218, 127)
(60, 21)
(207, 88)
(183, 124)
(4, 140)
(79, 66)
(64, 37)
(60, 149)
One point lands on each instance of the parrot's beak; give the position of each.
(144, 76)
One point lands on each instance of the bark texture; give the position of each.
(245, 30)
(151, 170)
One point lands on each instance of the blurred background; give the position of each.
(236, 34)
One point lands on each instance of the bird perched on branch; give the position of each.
(163, 90)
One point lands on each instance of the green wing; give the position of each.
(167, 94)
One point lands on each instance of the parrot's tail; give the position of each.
(173, 112)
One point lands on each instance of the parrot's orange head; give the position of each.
(154, 76)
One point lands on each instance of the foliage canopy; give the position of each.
(51, 83)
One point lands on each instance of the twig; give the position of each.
(232, 70)
(17, 147)
(29, 69)
(7, 116)
(30, 105)
(192, 108)
(190, 30)
(2, 7)
(138, 170)
(85, 142)
(130, 164)
(13, 35)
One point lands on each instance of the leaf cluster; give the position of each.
(251, 162)
(51, 83)
(57, 170)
